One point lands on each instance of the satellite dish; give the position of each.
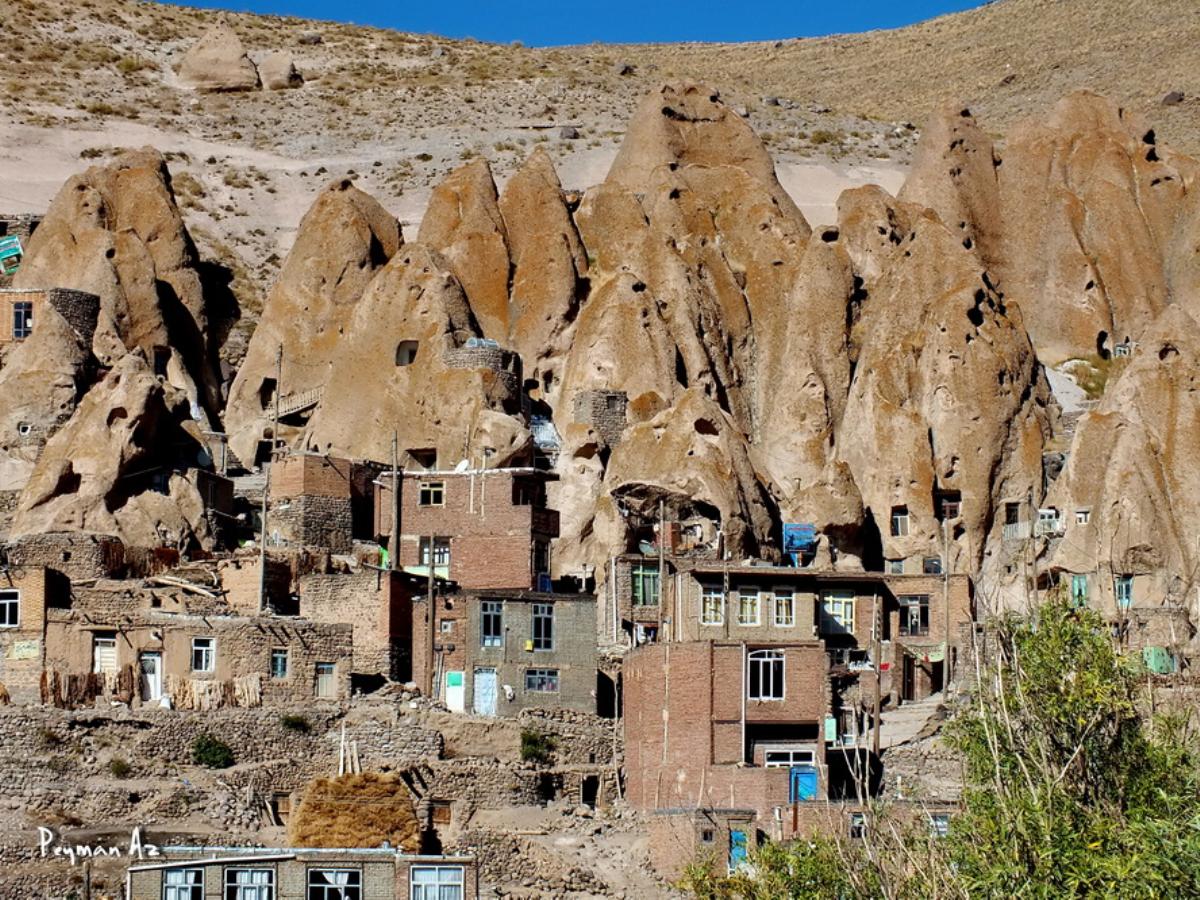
(462, 466)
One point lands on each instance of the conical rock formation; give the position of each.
(218, 62)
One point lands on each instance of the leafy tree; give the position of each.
(1079, 782)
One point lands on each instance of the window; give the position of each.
(950, 504)
(785, 609)
(837, 612)
(939, 824)
(436, 882)
(1083, 516)
(541, 558)
(541, 681)
(785, 759)
(1012, 513)
(1124, 588)
(932, 565)
(183, 884)
(491, 623)
(22, 320)
(104, 654)
(441, 551)
(543, 626)
(431, 493)
(204, 654)
(326, 678)
(712, 606)
(447, 626)
(858, 826)
(406, 353)
(764, 680)
(1079, 590)
(707, 836)
(748, 606)
(899, 521)
(914, 614)
(896, 566)
(645, 585)
(10, 609)
(334, 884)
(249, 884)
(279, 663)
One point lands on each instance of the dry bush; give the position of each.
(355, 811)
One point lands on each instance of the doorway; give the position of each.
(455, 692)
(485, 692)
(589, 790)
(907, 689)
(151, 664)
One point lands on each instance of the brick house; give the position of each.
(723, 724)
(701, 599)
(320, 501)
(499, 652)
(481, 528)
(236, 873)
(141, 644)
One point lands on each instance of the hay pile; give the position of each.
(355, 811)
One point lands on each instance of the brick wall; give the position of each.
(378, 606)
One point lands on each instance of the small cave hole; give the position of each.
(1166, 351)
(706, 427)
(639, 287)
(829, 235)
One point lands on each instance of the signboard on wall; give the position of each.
(24, 650)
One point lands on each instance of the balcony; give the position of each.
(1016, 531)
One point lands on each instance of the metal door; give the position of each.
(803, 784)
(455, 692)
(151, 676)
(738, 849)
(485, 692)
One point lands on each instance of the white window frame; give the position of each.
(491, 610)
(1083, 516)
(895, 566)
(844, 600)
(287, 662)
(10, 609)
(183, 889)
(712, 600)
(210, 655)
(352, 890)
(549, 677)
(249, 891)
(106, 640)
(449, 883)
(807, 757)
(788, 621)
(898, 522)
(641, 575)
(771, 685)
(752, 595)
(1123, 585)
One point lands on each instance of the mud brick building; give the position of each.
(481, 528)
(198, 873)
(320, 501)
(24, 593)
(496, 653)
(379, 606)
(22, 308)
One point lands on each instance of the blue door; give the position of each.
(737, 849)
(803, 784)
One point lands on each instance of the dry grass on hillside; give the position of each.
(355, 811)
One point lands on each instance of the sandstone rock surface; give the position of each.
(278, 72)
(218, 62)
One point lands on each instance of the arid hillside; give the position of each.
(1005, 60)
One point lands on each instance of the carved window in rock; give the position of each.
(899, 521)
(406, 352)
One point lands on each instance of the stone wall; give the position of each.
(604, 412)
(79, 556)
(505, 363)
(582, 738)
(313, 521)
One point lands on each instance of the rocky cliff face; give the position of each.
(115, 231)
(344, 239)
(699, 348)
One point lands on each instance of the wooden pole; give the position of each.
(262, 542)
(662, 563)
(429, 625)
(397, 478)
(876, 652)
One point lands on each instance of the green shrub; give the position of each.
(119, 768)
(296, 723)
(537, 747)
(210, 752)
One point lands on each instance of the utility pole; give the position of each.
(397, 477)
(662, 563)
(429, 625)
(262, 541)
(876, 653)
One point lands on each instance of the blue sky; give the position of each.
(545, 22)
